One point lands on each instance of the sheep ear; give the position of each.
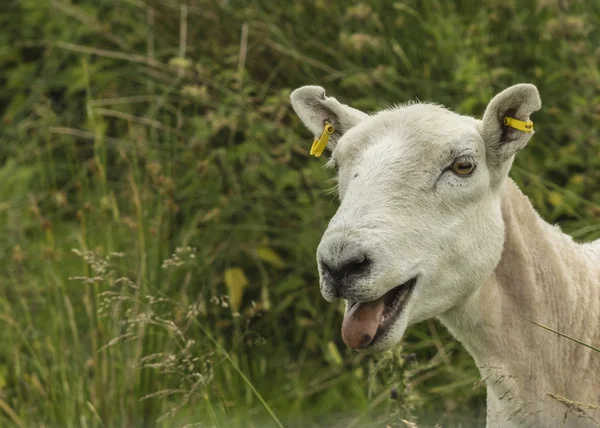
(315, 108)
(503, 141)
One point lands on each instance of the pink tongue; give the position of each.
(361, 322)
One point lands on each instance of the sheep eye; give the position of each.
(463, 167)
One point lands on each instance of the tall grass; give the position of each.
(161, 212)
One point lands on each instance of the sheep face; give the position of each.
(419, 226)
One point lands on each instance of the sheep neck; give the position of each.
(542, 276)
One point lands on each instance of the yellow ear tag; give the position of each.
(319, 144)
(519, 124)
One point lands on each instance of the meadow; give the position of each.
(160, 211)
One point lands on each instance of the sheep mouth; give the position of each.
(366, 322)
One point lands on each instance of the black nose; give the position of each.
(341, 274)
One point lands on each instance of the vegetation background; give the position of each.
(160, 211)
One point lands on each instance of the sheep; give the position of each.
(431, 226)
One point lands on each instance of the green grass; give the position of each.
(156, 139)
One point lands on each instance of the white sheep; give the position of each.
(430, 225)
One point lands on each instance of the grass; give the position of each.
(161, 212)
(587, 345)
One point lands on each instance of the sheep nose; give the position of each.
(342, 274)
(354, 266)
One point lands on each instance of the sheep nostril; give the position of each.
(353, 267)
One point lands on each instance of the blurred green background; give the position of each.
(160, 211)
